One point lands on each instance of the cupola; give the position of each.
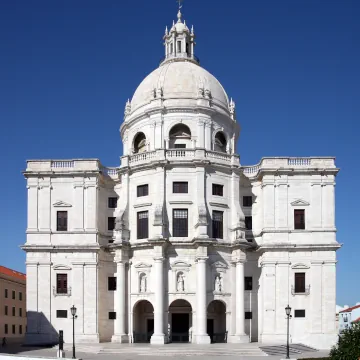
(179, 41)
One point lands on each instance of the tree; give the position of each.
(348, 346)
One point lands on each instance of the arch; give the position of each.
(220, 142)
(139, 143)
(180, 321)
(180, 136)
(143, 321)
(216, 321)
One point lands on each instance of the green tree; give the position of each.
(348, 346)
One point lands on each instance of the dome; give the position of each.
(179, 80)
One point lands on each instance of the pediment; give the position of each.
(61, 204)
(300, 266)
(219, 265)
(61, 267)
(300, 202)
(180, 264)
(142, 265)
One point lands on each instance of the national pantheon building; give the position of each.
(181, 242)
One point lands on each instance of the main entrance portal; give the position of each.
(180, 312)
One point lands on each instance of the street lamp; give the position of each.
(73, 313)
(288, 314)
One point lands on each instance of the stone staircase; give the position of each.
(280, 350)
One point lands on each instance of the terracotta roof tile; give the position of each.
(357, 320)
(12, 273)
(349, 309)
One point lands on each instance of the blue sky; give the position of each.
(67, 68)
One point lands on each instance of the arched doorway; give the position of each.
(216, 321)
(180, 320)
(143, 321)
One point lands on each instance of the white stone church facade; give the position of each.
(181, 243)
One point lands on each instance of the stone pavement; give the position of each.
(110, 351)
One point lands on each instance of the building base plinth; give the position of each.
(60, 354)
(239, 339)
(202, 339)
(120, 339)
(158, 339)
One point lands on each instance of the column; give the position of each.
(44, 206)
(200, 134)
(159, 337)
(32, 213)
(78, 222)
(201, 306)
(120, 336)
(241, 337)
(208, 135)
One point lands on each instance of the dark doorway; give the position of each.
(210, 329)
(150, 329)
(180, 328)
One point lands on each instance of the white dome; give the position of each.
(179, 80)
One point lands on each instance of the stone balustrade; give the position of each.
(283, 163)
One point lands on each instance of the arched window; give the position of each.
(140, 143)
(220, 142)
(180, 136)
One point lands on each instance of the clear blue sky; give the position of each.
(292, 66)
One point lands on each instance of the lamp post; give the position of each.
(288, 314)
(73, 313)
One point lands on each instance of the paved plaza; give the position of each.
(110, 351)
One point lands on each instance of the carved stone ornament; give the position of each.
(219, 267)
(180, 282)
(158, 215)
(61, 204)
(300, 202)
(127, 110)
(202, 213)
(143, 283)
(218, 284)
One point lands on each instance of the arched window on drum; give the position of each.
(180, 137)
(140, 145)
(220, 142)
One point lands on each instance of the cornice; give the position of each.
(55, 248)
(297, 247)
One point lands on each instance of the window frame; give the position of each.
(6, 329)
(6, 293)
(13, 311)
(177, 229)
(13, 295)
(299, 219)
(20, 296)
(112, 202)
(179, 146)
(62, 285)
(142, 231)
(111, 283)
(62, 220)
(248, 315)
(20, 312)
(248, 283)
(246, 202)
(111, 223)
(142, 190)
(180, 187)
(20, 329)
(218, 188)
(112, 315)
(217, 225)
(299, 282)
(61, 314)
(247, 227)
(300, 313)
(6, 310)
(13, 329)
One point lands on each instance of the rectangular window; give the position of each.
(20, 312)
(6, 312)
(217, 224)
(6, 328)
(248, 222)
(111, 283)
(248, 315)
(247, 201)
(142, 224)
(217, 189)
(61, 314)
(180, 146)
(6, 293)
(299, 219)
(61, 283)
(20, 329)
(179, 46)
(13, 311)
(13, 329)
(299, 282)
(20, 296)
(300, 313)
(143, 190)
(13, 295)
(180, 223)
(61, 221)
(111, 223)
(112, 315)
(112, 202)
(180, 187)
(248, 283)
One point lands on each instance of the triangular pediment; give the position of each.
(61, 204)
(180, 264)
(142, 265)
(300, 202)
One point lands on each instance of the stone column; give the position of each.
(201, 306)
(158, 337)
(120, 336)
